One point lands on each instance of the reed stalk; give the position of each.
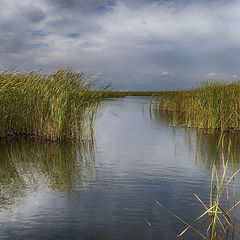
(47, 105)
(220, 219)
(214, 106)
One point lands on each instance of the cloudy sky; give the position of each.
(132, 44)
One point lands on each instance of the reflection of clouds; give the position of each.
(137, 161)
(30, 166)
(30, 206)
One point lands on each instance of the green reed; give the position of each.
(47, 105)
(220, 214)
(213, 106)
(220, 219)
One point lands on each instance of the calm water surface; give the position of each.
(108, 191)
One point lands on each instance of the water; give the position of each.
(108, 190)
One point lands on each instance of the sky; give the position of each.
(130, 44)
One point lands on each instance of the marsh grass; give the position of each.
(53, 106)
(213, 106)
(219, 213)
(119, 94)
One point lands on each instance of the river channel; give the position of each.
(109, 189)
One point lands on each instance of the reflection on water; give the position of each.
(205, 146)
(107, 191)
(208, 150)
(28, 165)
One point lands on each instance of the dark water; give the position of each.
(108, 191)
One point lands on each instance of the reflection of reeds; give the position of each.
(213, 106)
(201, 143)
(220, 219)
(52, 106)
(206, 145)
(27, 165)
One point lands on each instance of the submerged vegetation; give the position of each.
(53, 106)
(214, 106)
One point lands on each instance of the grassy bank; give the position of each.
(53, 106)
(212, 106)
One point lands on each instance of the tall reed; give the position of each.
(47, 105)
(220, 220)
(213, 106)
(220, 213)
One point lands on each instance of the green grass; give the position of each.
(220, 220)
(53, 106)
(220, 213)
(118, 94)
(214, 106)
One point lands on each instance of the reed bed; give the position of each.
(213, 106)
(53, 106)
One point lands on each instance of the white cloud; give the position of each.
(215, 75)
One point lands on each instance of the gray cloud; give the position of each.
(34, 15)
(82, 6)
(132, 42)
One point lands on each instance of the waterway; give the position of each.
(108, 189)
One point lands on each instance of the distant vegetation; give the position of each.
(214, 106)
(116, 94)
(53, 106)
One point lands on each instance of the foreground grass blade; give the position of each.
(189, 225)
